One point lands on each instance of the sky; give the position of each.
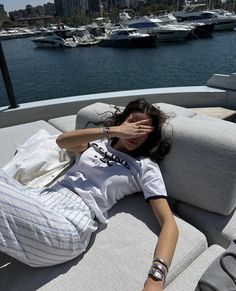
(11, 5)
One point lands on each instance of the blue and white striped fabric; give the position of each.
(42, 227)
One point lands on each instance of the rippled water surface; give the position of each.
(39, 74)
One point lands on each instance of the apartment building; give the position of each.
(67, 8)
(3, 13)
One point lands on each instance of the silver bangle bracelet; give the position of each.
(157, 259)
(157, 275)
(162, 268)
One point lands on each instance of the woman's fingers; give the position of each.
(144, 125)
(144, 121)
(131, 129)
(145, 128)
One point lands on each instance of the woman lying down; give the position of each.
(49, 226)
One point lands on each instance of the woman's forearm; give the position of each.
(164, 250)
(73, 139)
(76, 138)
(167, 241)
(127, 129)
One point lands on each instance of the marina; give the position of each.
(39, 74)
(62, 79)
(172, 26)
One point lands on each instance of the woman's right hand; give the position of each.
(129, 129)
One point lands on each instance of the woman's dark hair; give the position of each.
(155, 146)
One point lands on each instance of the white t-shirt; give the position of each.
(103, 175)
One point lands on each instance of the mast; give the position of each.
(101, 7)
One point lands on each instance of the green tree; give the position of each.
(12, 18)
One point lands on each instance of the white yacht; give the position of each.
(223, 20)
(129, 38)
(56, 38)
(153, 25)
(199, 29)
(83, 37)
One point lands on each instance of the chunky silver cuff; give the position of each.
(162, 268)
(156, 274)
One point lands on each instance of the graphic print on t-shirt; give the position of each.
(109, 158)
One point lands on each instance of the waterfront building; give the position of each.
(108, 5)
(3, 13)
(67, 8)
(34, 15)
(134, 3)
(34, 12)
(93, 5)
(125, 3)
(49, 8)
(17, 14)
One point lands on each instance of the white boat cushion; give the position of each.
(188, 279)
(219, 229)
(174, 110)
(118, 258)
(65, 123)
(95, 112)
(14, 136)
(201, 166)
(208, 118)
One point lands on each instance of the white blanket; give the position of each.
(38, 161)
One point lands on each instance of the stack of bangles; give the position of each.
(159, 270)
(104, 133)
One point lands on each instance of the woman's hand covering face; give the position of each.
(131, 128)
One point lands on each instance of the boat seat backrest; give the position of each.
(94, 113)
(201, 167)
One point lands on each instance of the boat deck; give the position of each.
(199, 168)
(217, 112)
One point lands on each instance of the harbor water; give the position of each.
(39, 74)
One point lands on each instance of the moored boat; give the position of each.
(192, 13)
(83, 37)
(199, 29)
(167, 32)
(56, 38)
(128, 38)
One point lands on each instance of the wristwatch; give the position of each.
(156, 274)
